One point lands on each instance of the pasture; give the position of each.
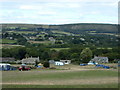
(69, 76)
(7, 41)
(40, 42)
(9, 46)
(58, 49)
(23, 32)
(61, 32)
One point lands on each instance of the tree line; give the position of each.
(77, 54)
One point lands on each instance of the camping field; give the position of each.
(72, 77)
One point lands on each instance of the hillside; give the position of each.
(73, 28)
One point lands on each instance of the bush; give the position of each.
(52, 68)
(46, 64)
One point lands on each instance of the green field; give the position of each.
(62, 86)
(76, 77)
(61, 32)
(23, 32)
(7, 41)
(41, 42)
(58, 49)
(9, 46)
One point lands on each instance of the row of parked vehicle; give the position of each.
(8, 67)
(97, 66)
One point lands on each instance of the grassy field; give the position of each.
(9, 46)
(58, 49)
(76, 77)
(7, 41)
(41, 42)
(23, 32)
(62, 86)
(61, 32)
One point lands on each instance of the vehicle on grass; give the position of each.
(103, 66)
(83, 64)
(24, 68)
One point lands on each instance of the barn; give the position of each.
(100, 59)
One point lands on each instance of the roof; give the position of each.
(4, 64)
(7, 59)
(100, 57)
(58, 62)
(30, 60)
(65, 60)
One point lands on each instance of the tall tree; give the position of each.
(86, 55)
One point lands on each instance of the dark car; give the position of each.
(83, 64)
(24, 68)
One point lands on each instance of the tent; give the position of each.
(92, 63)
(59, 63)
(6, 67)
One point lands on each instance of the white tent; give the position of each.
(59, 63)
(4, 66)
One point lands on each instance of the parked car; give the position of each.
(24, 68)
(83, 64)
(102, 66)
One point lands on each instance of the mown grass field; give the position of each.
(62, 86)
(76, 77)
(41, 42)
(7, 41)
(9, 46)
(58, 49)
(61, 32)
(23, 32)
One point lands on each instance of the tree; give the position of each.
(46, 64)
(21, 41)
(45, 55)
(19, 52)
(75, 58)
(54, 55)
(26, 55)
(36, 63)
(86, 55)
(64, 54)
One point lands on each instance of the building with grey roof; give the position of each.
(30, 60)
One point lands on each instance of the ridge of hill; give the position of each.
(73, 28)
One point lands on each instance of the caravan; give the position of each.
(6, 67)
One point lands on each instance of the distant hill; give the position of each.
(74, 28)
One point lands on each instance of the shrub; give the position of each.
(46, 64)
(52, 68)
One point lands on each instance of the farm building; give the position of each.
(58, 63)
(31, 60)
(7, 59)
(100, 59)
(66, 61)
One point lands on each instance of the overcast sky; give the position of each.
(59, 11)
